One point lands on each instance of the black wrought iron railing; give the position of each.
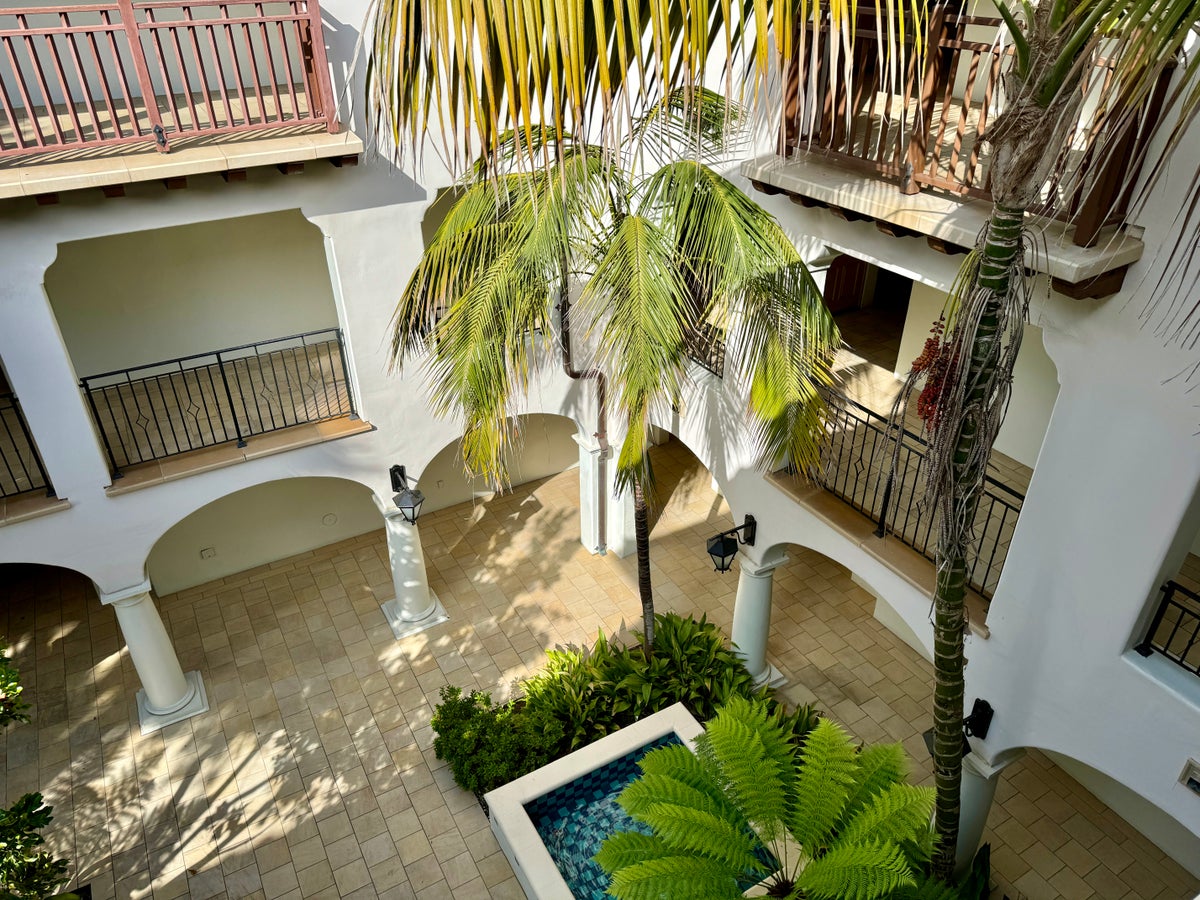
(1175, 629)
(21, 468)
(705, 345)
(856, 465)
(154, 411)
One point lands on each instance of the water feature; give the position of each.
(574, 820)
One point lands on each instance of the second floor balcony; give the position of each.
(103, 94)
(916, 155)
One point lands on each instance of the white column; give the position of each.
(167, 694)
(414, 607)
(979, 779)
(752, 616)
(590, 458)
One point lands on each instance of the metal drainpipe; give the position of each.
(601, 435)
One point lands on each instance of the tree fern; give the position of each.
(823, 783)
(860, 828)
(893, 815)
(701, 833)
(878, 767)
(678, 877)
(856, 872)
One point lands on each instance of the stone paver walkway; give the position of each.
(313, 774)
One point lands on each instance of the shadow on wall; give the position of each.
(259, 525)
(547, 449)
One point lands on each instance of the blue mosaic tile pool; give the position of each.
(574, 820)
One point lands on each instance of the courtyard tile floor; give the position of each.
(313, 775)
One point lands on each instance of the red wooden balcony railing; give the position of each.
(928, 130)
(124, 72)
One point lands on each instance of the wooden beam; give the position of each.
(46, 199)
(807, 202)
(766, 188)
(339, 161)
(113, 190)
(848, 215)
(290, 168)
(1094, 288)
(175, 183)
(895, 230)
(942, 246)
(234, 175)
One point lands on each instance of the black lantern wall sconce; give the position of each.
(407, 499)
(722, 548)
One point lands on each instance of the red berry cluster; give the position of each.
(935, 360)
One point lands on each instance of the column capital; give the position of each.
(976, 764)
(589, 444)
(755, 568)
(127, 595)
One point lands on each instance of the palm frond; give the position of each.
(856, 872)
(786, 341)
(638, 288)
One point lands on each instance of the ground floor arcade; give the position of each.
(312, 774)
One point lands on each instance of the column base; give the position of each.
(402, 627)
(771, 677)
(195, 704)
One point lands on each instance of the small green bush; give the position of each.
(488, 745)
(594, 691)
(582, 694)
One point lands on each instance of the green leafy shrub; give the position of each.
(583, 694)
(25, 869)
(594, 691)
(488, 745)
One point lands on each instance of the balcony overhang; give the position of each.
(46, 175)
(949, 224)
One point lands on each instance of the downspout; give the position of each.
(601, 435)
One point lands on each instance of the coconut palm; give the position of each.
(825, 820)
(656, 255)
(477, 70)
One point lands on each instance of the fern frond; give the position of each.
(879, 767)
(826, 773)
(757, 766)
(892, 816)
(677, 877)
(627, 848)
(695, 831)
(859, 872)
(653, 789)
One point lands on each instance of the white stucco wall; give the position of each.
(547, 449)
(259, 525)
(1035, 381)
(139, 297)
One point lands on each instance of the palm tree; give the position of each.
(585, 68)
(825, 820)
(656, 255)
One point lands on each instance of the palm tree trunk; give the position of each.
(1001, 246)
(641, 533)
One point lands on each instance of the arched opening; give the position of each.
(257, 526)
(827, 632)
(53, 624)
(547, 448)
(202, 334)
